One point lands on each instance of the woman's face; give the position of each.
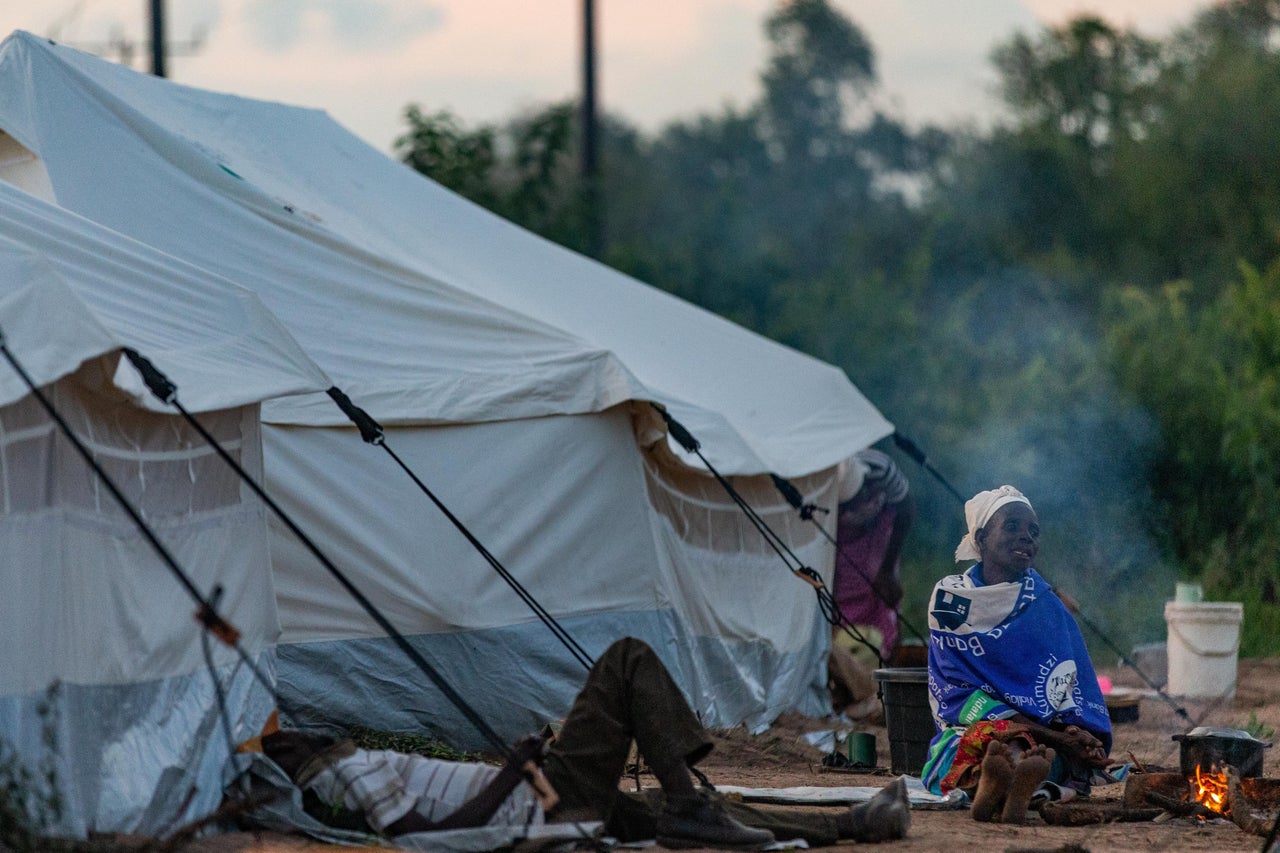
(1010, 540)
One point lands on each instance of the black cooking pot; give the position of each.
(1205, 746)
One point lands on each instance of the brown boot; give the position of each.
(885, 817)
(702, 822)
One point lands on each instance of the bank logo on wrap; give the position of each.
(950, 610)
(1056, 685)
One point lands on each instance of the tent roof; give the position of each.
(71, 290)
(424, 307)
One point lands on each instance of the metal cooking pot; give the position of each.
(1205, 746)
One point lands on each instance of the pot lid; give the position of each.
(1204, 732)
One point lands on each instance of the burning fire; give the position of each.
(1211, 791)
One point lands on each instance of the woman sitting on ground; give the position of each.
(1013, 692)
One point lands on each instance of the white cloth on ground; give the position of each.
(385, 785)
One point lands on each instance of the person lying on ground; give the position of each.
(629, 695)
(1013, 691)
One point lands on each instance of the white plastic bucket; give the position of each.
(1204, 643)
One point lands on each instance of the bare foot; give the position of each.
(1027, 776)
(993, 782)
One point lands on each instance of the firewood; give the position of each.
(1137, 785)
(1084, 814)
(1240, 808)
(1180, 808)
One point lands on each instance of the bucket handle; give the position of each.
(1173, 629)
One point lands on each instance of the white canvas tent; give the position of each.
(103, 679)
(513, 375)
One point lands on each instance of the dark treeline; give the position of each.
(1083, 301)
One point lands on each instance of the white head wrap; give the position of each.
(978, 511)
(852, 472)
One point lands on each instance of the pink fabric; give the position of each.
(860, 551)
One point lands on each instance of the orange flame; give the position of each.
(1211, 791)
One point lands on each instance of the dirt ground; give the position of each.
(779, 758)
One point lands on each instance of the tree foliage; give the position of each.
(533, 184)
(1082, 301)
(1086, 82)
(1213, 375)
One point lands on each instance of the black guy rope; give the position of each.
(166, 391)
(206, 613)
(207, 608)
(806, 510)
(913, 450)
(372, 433)
(224, 714)
(826, 602)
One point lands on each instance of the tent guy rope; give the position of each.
(167, 391)
(373, 433)
(826, 602)
(207, 615)
(806, 510)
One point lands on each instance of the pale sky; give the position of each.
(486, 60)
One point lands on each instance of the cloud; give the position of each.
(932, 55)
(1153, 17)
(352, 25)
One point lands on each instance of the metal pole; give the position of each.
(590, 162)
(157, 38)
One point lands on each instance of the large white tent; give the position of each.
(103, 680)
(513, 376)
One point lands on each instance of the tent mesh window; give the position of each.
(153, 458)
(702, 514)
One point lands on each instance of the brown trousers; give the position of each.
(629, 695)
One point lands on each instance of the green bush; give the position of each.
(1209, 367)
(29, 800)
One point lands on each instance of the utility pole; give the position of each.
(158, 43)
(124, 48)
(590, 162)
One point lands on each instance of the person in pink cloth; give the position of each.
(875, 513)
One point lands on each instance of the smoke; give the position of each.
(279, 25)
(1028, 400)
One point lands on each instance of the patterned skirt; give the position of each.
(967, 763)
